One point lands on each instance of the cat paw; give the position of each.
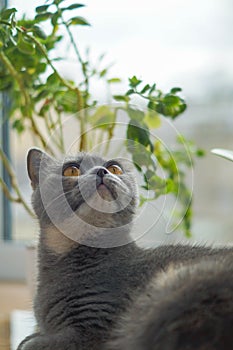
(26, 341)
(46, 342)
(35, 343)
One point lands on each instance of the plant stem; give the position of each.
(83, 135)
(7, 192)
(43, 50)
(76, 50)
(83, 138)
(48, 124)
(61, 137)
(80, 102)
(14, 184)
(27, 100)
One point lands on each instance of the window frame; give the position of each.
(13, 257)
(6, 229)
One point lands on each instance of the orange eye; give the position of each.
(72, 171)
(115, 169)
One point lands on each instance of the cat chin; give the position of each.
(101, 202)
(89, 226)
(105, 193)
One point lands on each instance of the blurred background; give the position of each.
(174, 43)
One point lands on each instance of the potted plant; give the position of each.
(42, 99)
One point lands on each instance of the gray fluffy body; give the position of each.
(122, 297)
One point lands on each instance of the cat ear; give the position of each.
(34, 159)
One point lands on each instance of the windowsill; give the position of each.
(22, 324)
(13, 296)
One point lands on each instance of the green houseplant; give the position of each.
(41, 98)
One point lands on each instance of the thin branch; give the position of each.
(26, 97)
(76, 50)
(7, 192)
(43, 50)
(62, 80)
(83, 135)
(14, 184)
(61, 136)
(80, 103)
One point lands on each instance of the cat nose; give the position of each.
(101, 172)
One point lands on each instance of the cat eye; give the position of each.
(115, 169)
(71, 171)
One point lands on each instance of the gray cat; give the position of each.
(97, 289)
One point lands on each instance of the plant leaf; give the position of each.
(135, 114)
(142, 157)
(114, 80)
(139, 133)
(43, 8)
(5, 82)
(25, 46)
(121, 98)
(152, 89)
(145, 89)
(53, 80)
(18, 125)
(103, 72)
(103, 118)
(152, 120)
(57, 2)
(38, 32)
(54, 18)
(134, 81)
(130, 92)
(67, 100)
(170, 105)
(78, 21)
(73, 6)
(6, 13)
(175, 90)
(43, 16)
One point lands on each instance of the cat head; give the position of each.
(86, 198)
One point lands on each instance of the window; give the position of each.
(174, 44)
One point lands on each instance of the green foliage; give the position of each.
(39, 92)
(169, 105)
